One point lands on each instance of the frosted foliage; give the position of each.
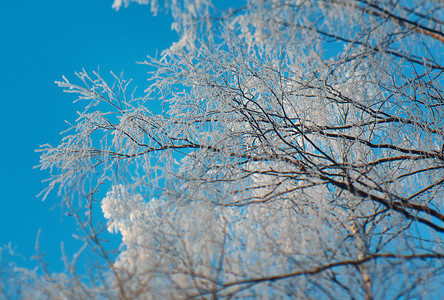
(199, 248)
(118, 3)
(298, 154)
(121, 210)
(185, 14)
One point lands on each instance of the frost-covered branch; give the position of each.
(298, 154)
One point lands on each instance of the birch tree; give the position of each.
(298, 154)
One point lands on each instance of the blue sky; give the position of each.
(41, 41)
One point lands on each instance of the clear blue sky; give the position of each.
(41, 41)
